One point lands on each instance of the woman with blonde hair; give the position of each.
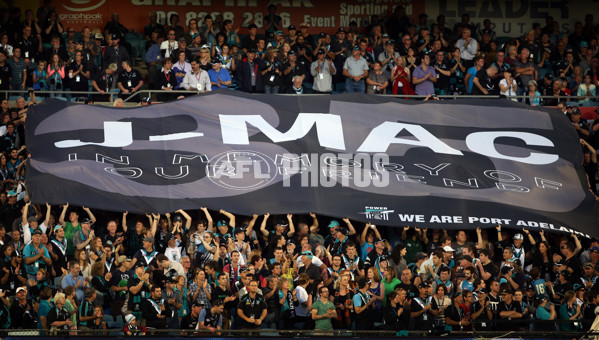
(400, 77)
(286, 300)
(377, 290)
(343, 296)
(96, 252)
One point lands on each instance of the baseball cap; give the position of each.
(420, 256)
(195, 35)
(98, 36)
(115, 37)
(385, 35)
(343, 231)
(181, 40)
(121, 259)
(594, 249)
(215, 61)
(278, 33)
(341, 30)
(518, 236)
(333, 224)
(549, 75)
(146, 100)
(86, 220)
(505, 291)
(424, 284)
(11, 193)
(448, 248)
(149, 239)
(57, 227)
(291, 27)
(283, 223)
(37, 232)
(20, 289)
(78, 42)
(577, 286)
(322, 35)
(588, 265)
(308, 253)
(290, 53)
(378, 240)
(197, 303)
(177, 218)
(541, 298)
(320, 51)
(356, 48)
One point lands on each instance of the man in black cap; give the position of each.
(323, 71)
(114, 53)
(372, 259)
(291, 69)
(145, 101)
(508, 308)
(248, 73)
(420, 310)
(340, 49)
(172, 301)
(13, 275)
(190, 321)
(363, 302)
(454, 315)
(139, 289)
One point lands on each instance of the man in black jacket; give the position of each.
(153, 309)
(248, 74)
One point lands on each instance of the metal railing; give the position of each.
(62, 93)
(491, 329)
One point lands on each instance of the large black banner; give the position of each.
(447, 164)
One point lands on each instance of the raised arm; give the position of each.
(363, 235)
(208, 218)
(350, 227)
(90, 214)
(263, 225)
(291, 226)
(124, 221)
(187, 218)
(479, 236)
(530, 238)
(499, 238)
(154, 225)
(62, 214)
(48, 213)
(250, 227)
(230, 216)
(314, 225)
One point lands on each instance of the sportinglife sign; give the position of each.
(455, 164)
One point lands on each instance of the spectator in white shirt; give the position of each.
(197, 79)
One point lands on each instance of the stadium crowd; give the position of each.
(64, 268)
(391, 56)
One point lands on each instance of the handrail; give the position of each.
(450, 96)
